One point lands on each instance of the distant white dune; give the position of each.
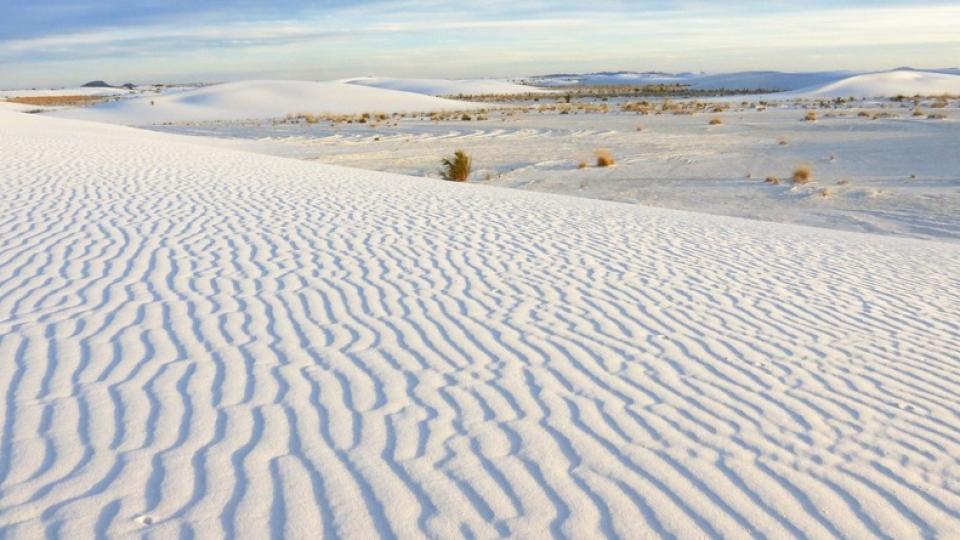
(79, 91)
(825, 83)
(198, 342)
(447, 87)
(766, 80)
(17, 107)
(259, 100)
(890, 83)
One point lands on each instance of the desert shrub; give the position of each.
(466, 117)
(604, 158)
(810, 117)
(716, 121)
(456, 168)
(802, 175)
(583, 164)
(918, 112)
(772, 180)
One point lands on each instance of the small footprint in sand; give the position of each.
(912, 408)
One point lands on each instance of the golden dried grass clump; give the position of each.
(456, 168)
(810, 117)
(802, 175)
(57, 101)
(604, 158)
(716, 121)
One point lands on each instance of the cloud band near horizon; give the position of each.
(53, 42)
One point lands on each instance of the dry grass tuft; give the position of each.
(583, 164)
(58, 101)
(604, 158)
(802, 175)
(772, 180)
(457, 167)
(810, 117)
(716, 121)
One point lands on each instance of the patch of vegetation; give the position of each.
(802, 175)
(456, 168)
(604, 158)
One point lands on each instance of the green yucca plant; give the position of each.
(457, 167)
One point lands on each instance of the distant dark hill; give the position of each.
(98, 84)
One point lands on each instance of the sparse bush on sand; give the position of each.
(716, 121)
(810, 117)
(773, 180)
(583, 164)
(604, 158)
(802, 175)
(456, 168)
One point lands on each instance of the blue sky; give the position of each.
(65, 42)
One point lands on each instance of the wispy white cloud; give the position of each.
(513, 35)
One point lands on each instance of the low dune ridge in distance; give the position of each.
(448, 87)
(904, 82)
(250, 100)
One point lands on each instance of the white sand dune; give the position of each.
(10, 106)
(203, 342)
(904, 82)
(447, 87)
(51, 92)
(259, 100)
(767, 80)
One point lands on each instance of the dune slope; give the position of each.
(447, 87)
(903, 82)
(260, 100)
(205, 342)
